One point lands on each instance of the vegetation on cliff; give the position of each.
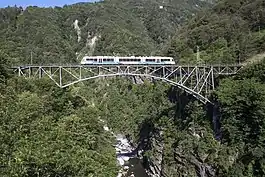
(116, 27)
(228, 33)
(48, 131)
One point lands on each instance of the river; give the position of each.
(136, 168)
(131, 165)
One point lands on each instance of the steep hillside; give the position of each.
(49, 131)
(162, 18)
(117, 27)
(231, 32)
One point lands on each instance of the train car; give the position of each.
(112, 60)
(158, 60)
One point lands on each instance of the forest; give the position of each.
(49, 131)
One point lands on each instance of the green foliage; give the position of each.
(48, 131)
(256, 70)
(3, 68)
(45, 133)
(230, 32)
(126, 107)
(48, 35)
(243, 111)
(243, 117)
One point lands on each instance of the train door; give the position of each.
(158, 60)
(100, 60)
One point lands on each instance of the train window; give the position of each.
(124, 60)
(95, 60)
(108, 59)
(165, 60)
(90, 59)
(130, 59)
(150, 60)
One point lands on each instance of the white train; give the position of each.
(111, 60)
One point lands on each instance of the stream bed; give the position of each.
(131, 165)
(136, 168)
(128, 160)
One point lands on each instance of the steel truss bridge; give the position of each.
(198, 81)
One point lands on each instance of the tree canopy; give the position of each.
(49, 131)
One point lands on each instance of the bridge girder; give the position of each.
(195, 80)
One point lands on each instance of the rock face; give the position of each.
(78, 30)
(91, 43)
(190, 164)
(156, 159)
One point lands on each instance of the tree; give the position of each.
(3, 68)
(243, 122)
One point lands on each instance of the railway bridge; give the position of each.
(197, 80)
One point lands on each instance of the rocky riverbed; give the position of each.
(127, 156)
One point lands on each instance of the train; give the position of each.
(133, 60)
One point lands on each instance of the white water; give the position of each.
(123, 148)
